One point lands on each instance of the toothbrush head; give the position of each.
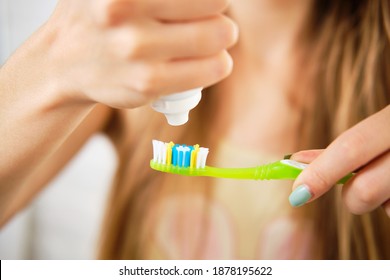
(178, 158)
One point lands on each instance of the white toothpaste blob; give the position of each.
(176, 107)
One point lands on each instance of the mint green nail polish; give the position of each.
(300, 196)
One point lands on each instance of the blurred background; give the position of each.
(64, 221)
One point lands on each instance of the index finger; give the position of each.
(351, 150)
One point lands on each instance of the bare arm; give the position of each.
(35, 119)
(14, 200)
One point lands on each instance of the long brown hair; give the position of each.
(349, 79)
(351, 60)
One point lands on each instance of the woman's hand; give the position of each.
(125, 53)
(122, 53)
(366, 148)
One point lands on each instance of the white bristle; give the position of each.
(164, 147)
(159, 151)
(155, 150)
(202, 157)
(162, 152)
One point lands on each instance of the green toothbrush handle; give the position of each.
(284, 169)
(272, 171)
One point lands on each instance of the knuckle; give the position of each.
(221, 33)
(115, 11)
(360, 195)
(136, 48)
(148, 80)
(350, 145)
(197, 39)
(365, 192)
(318, 180)
(127, 43)
(133, 43)
(214, 36)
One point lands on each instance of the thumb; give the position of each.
(313, 181)
(302, 193)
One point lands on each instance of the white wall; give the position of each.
(64, 221)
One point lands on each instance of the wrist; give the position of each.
(34, 75)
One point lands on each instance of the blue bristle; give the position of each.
(187, 160)
(175, 154)
(181, 155)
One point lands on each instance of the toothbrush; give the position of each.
(191, 161)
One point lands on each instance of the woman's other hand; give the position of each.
(125, 53)
(366, 148)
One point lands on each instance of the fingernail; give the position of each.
(300, 196)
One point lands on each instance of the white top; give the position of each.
(176, 107)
